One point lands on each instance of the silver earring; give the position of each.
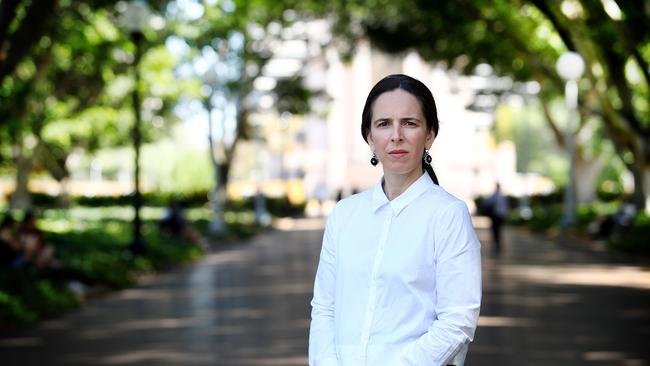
(374, 161)
(426, 157)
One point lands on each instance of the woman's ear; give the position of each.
(371, 143)
(431, 135)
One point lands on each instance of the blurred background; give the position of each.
(140, 137)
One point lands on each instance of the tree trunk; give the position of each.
(646, 188)
(641, 174)
(586, 172)
(218, 197)
(217, 200)
(64, 193)
(20, 199)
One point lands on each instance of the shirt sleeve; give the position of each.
(458, 291)
(322, 351)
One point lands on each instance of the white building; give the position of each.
(464, 156)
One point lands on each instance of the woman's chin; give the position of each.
(399, 169)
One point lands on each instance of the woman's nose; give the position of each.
(396, 134)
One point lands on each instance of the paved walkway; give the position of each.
(549, 304)
(248, 304)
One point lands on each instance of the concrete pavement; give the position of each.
(248, 304)
(548, 303)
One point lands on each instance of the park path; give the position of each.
(248, 304)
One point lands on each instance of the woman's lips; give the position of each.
(398, 153)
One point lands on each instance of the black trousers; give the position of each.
(497, 222)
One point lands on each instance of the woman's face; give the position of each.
(398, 132)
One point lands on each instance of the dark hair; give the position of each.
(414, 87)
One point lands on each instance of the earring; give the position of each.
(374, 161)
(426, 157)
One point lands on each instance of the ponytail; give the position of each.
(426, 167)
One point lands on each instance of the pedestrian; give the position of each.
(399, 276)
(496, 208)
(175, 224)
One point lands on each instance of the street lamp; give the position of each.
(570, 67)
(135, 17)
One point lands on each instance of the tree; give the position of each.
(613, 39)
(64, 83)
(68, 90)
(523, 39)
(229, 44)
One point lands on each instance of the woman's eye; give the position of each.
(382, 123)
(410, 123)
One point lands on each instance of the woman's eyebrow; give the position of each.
(411, 119)
(383, 119)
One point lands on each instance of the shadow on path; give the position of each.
(245, 305)
(544, 304)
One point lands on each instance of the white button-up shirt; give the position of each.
(398, 282)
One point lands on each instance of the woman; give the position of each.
(399, 278)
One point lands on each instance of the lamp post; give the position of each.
(570, 67)
(135, 15)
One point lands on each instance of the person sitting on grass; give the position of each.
(39, 256)
(36, 252)
(10, 247)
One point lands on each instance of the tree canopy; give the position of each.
(65, 84)
(66, 61)
(523, 39)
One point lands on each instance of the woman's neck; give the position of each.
(396, 184)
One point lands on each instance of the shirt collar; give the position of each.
(398, 204)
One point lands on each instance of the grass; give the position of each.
(635, 238)
(547, 218)
(92, 244)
